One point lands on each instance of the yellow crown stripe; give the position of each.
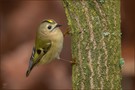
(50, 21)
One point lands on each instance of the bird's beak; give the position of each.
(58, 25)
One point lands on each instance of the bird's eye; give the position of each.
(38, 51)
(49, 27)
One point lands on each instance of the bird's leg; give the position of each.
(73, 61)
(65, 60)
(67, 32)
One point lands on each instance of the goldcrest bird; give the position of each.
(48, 44)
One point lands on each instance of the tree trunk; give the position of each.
(96, 43)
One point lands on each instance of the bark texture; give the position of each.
(96, 43)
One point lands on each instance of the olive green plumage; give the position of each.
(48, 44)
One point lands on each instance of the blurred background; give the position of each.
(19, 21)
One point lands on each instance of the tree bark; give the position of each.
(96, 43)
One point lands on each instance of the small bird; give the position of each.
(48, 44)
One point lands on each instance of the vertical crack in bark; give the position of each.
(104, 17)
(88, 20)
(114, 16)
(80, 52)
(99, 73)
(111, 84)
(91, 69)
(102, 40)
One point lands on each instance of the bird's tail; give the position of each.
(28, 72)
(31, 65)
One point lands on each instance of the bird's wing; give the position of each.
(36, 56)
